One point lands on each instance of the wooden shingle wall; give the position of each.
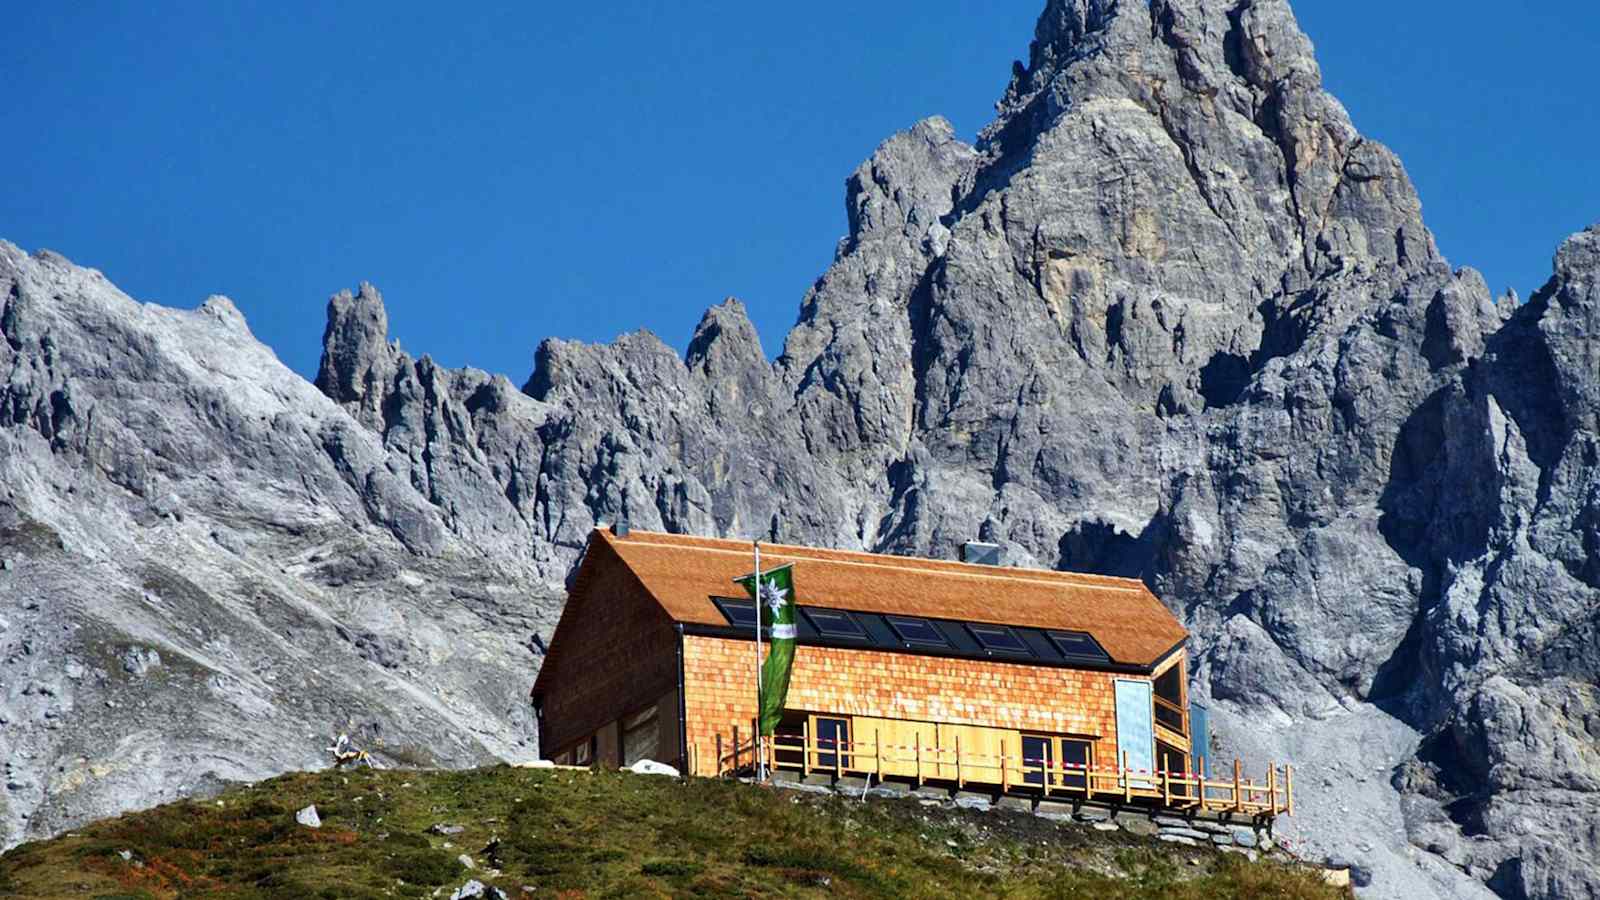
(614, 652)
(719, 692)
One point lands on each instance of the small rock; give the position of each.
(466, 861)
(1336, 877)
(5, 565)
(651, 767)
(1244, 837)
(1106, 826)
(308, 817)
(477, 890)
(441, 828)
(140, 660)
(1175, 839)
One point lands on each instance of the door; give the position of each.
(1136, 738)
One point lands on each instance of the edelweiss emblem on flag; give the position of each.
(773, 596)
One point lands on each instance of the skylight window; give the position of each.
(1077, 645)
(740, 613)
(999, 639)
(835, 624)
(917, 631)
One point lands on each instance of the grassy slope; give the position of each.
(607, 834)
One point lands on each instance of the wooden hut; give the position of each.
(905, 668)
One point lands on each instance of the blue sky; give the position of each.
(550, 171)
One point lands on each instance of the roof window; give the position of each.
(999, 639)
(917, 631)
(1077, 645)
(740, 613)
(835, 624)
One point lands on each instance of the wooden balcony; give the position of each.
(808, 754)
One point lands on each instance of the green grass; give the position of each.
(582, 834)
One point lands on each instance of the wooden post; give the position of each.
(736, 747)
(1005, 773)
(877, 754)
(1166, 786)
(719, 755)
(838, 757)
(960, 782)
(1127, 782)
(1238, 795)
(1288, 789)
(919, 758)
(805, 748)
(1272, 789)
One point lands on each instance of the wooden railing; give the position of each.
(808, 754)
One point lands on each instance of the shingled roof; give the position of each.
(684, 573)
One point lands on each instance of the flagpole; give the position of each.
(760, 761)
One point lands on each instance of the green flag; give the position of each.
(776, 606)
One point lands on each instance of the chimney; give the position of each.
(980, 554)
(620, 527)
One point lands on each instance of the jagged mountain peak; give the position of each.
(1171, 317)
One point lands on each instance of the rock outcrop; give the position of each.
(1171, 316)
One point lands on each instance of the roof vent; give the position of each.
(980, 554)
(620, 528)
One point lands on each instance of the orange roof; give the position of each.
(684, 573)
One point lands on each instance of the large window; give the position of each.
(833, 742)
(1065, 760)
(1168, 691)
(1038, 756)
(920, 632)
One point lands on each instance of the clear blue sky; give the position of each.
(550, 170)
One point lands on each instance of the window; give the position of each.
(833, 742)
(1171, 759)
(917, 631)
(835, 624)
(1168, 691)
(583, 754)
(1038, 754)
(740, 613)
(1077, 645)
(999, 639)
(1075, 756)
(1067, 760)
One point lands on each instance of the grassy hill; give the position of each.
(581, 834)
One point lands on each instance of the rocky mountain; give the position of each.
(1170, 316)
